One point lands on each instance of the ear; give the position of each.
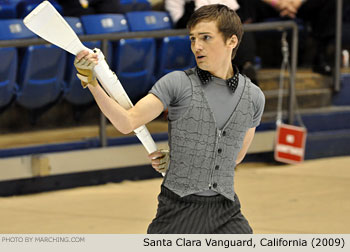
(233, 41)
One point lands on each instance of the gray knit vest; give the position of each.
(203, 157)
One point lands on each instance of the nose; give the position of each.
(197, 46)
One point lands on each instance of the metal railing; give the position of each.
(338, 44)
(105, 38)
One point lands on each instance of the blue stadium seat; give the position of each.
(14, 29)
(148, 20)
(41, 76)
(24, 7)
(135, 5)
(8, 9)
(74, 93)
(133, 59)
(104, 23)
(8, 71)
(100, 24)
(136, 72)
(9, 29)
(41, 68)
(174, 52)
(9, 56)
(78, 27)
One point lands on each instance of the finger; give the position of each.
(161, 166)
(282, 6)
(161, 170)
(155, 167)
(83, 61)
(94, 59)
(292, 9)
(94, 56)
(289, 8)
(284, 13)
(287, 13)
(82, 54)
(84, 58)
(162, 160)
(91, 59)
(291, 15)
(155, 162)
(90, 64)
(155, 155)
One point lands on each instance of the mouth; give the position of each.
(200, 57)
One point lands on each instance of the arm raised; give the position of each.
(145, 110)
(124, 119)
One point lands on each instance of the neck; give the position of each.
(224, 72)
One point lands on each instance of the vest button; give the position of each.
(224, 133)
(215, 185)
(217, 167)
(219, 150)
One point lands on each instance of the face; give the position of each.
(212, 53)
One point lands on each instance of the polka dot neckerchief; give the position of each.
(232, 82)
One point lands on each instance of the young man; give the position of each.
(213, 112)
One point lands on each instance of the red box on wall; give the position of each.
(290, 144)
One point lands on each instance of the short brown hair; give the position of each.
(227, 21)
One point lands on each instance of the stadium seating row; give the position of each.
(10, 9)
(46, 72)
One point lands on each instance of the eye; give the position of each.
(192, 39)
(206, 37)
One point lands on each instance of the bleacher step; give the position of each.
(315, 119)
(306, 98)
(305, 79)
(270, 115)
(63, 135)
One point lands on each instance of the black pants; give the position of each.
(198, 215)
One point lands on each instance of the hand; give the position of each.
(84, 63)
(160, 160)
(288, 8)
